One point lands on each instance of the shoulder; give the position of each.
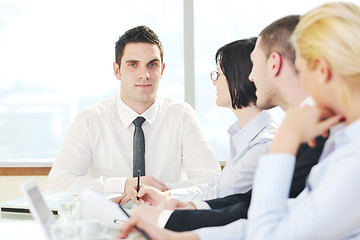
(172, 106)
(350, 150)
(99, 109)
(267, 130)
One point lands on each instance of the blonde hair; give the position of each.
(332, 32)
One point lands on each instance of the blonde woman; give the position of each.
(328, 59)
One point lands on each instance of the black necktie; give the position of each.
(138, 148)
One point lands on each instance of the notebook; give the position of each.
(38, 208)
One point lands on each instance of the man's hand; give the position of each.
(152, 196)
(173, 204)
(154, 232)
(126, 197)
(130, 191)
(148, 213)
(131, 183)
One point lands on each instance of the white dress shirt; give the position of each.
(97, 152)
(247, 145)
(328, 208)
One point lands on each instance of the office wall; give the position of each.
(9, 185)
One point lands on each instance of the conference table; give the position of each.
(21, 226)
(14, 226)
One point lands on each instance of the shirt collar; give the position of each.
(241, 137)
(309, 101)
(343, 134)
(127, 115)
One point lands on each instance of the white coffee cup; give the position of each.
(91, 229)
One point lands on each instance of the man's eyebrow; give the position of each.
(131, 61)
(154, 60)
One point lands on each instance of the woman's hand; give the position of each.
(303, 124)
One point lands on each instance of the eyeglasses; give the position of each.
(214, 75)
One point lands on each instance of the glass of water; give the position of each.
(67, 212)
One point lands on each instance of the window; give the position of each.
(56, 59)
(216, 24)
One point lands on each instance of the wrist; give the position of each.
(192, 205)
(188, 235)
(168, 195)
(285, 142)
(127, 183)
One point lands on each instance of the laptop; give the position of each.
(20, 206)
(53, 199)
(38, 208)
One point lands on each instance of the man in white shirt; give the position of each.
(98, 151)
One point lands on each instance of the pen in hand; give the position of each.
(137, 188)
(138, 184)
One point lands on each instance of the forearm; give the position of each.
(195, 177)
(270, 193)
(230, 200)
(191, 193)
(232, 231)
(184, 220)
(285, 143)
(188, 236)
(64, 181)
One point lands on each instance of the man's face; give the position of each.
(261, 76)
(140, 73)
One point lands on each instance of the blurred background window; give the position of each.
(56, 59)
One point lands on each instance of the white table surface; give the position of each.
(22, 226)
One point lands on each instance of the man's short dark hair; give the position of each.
(276, 37)
(234, 61)
(140, 34)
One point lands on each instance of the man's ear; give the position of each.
(162, 70)
(276, 63)
(116, 68)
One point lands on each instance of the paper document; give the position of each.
(95, 206)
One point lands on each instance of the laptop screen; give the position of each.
(38, 208)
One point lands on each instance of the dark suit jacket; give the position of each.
(228, 209)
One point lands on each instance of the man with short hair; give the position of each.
(98, 151)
